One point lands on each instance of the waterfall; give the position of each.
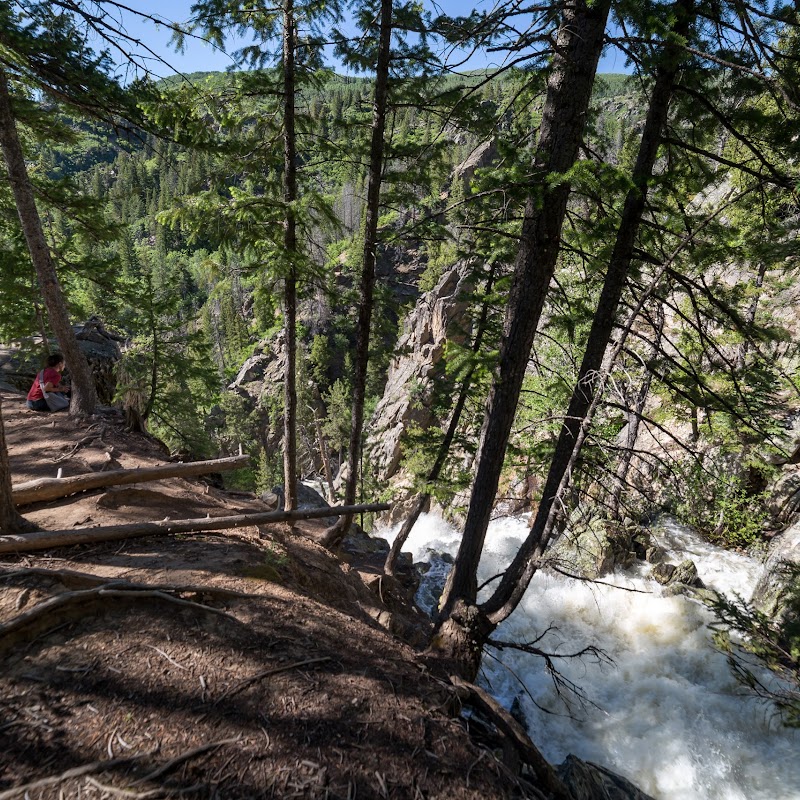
(667, 714)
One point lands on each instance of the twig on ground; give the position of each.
(75, 772)
(85, 441)
(265, 674)
(179, 759)
(171, 660)
(127, 793)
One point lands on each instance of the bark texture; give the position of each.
(51, 488)
(10, 520)
(577, 50)
(290, 244)
(48, 539)
(84, 395)
(516, 578)
(367, 281)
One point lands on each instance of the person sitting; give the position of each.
(48, 381)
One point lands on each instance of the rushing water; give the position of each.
(667, 714)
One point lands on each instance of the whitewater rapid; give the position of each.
(668, 714)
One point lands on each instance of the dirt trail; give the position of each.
(243, 664)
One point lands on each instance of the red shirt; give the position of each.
(50, 376)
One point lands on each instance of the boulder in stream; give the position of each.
(683, 574)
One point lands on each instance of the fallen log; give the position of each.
(52, 488)
(44, 540)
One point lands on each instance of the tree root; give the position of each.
(75, 772)
(70, 606)
(75, 579)
(179, 759)
(115, 763)
(515, 733)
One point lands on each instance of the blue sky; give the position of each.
(200, 56)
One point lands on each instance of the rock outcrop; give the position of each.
(595, 547)
(439, 316)
(775, 591)
(587, 781)
(21, 360)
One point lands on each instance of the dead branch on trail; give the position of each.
(45, 540)
(53, 488)
(265, 674)
(510, 728)
(84, 579)
(70, 606)
(179, 759)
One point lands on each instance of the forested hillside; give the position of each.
(568, 293)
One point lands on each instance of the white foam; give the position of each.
(669, 715)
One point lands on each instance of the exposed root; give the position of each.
(515, 733)
(75, 772)
(84, 580)
(74, 605)
(179, 759)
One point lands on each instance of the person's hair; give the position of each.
(54, 359)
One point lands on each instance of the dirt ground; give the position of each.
(241, 664)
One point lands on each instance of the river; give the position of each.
(667, 714)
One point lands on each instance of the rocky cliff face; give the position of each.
(439, 316)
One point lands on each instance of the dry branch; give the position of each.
(75, 772)
(44, 540)
(52, 488)
(266, 674)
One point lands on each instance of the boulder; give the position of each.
(683, 574)
(21, 360)
(784, 498)
(102, 351)
(776, 589)
(482, 156)
(593, 548)
(307, 497)
(264, 369)
(663, 573)
(587, 781)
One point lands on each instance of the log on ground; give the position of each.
(44, 540)
(53, 488)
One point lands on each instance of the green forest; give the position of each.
(266, 242)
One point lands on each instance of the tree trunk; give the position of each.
(84, 396)
(290, 243)
(45, 540)
(316, 405)
(577, 50)
(744, 347)
(516, 578)
(10, 520)
(334, 536)
(634, 416)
